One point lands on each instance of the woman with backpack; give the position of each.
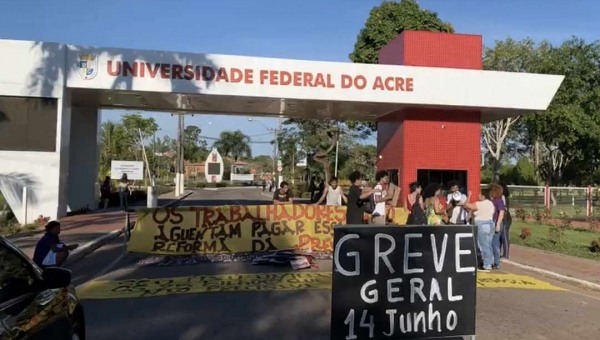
(414, 195)
(415, 206)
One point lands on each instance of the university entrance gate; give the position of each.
(428, 86)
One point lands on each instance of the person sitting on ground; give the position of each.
(283, 195)
(49, 251)
(333, 193)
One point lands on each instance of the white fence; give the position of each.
(575, 201)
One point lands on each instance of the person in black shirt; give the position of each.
(283, 195)
(356, 197)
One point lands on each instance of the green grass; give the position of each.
(575, 243)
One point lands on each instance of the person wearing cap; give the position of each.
(49, 251)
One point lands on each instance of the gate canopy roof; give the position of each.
(195, 83)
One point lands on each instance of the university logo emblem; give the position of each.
(87, 66)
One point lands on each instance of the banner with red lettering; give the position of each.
(233, 229)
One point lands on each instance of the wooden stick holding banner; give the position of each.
(417, 282)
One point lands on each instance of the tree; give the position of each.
(112, 146)
(509, 56)
(572, 123)
(132, 125)
(385, 23)
(234, 144)
(194, 148)
(388, 20)
(264, 162)
(362, 158)
(317, 137)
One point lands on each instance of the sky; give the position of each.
(309, 29)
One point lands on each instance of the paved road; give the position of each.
(304, 314)
(297, 314)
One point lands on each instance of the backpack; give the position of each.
(417, 215)
(369, 205)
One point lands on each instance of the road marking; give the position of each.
(136, 288)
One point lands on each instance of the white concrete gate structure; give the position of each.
(50, 96)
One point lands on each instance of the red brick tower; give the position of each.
(415, 140)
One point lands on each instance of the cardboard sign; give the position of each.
(403, 283)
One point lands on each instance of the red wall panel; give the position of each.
(416, 138)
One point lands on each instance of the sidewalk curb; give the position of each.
(177, 199)
(98, 242)
(556, 276)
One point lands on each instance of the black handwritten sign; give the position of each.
(403, 283)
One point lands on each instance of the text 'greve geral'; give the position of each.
(412, 322)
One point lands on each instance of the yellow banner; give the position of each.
(233, 229)
(136, 288)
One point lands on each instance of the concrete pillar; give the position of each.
(84, 155)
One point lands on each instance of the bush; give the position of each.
(521, 214)
(595, 246)
(525, 234)
(593, 224)
(541, 215)
(556, 232)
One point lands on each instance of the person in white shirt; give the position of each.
(483, 211)
(333, 194)
(453, 200)
(380, 196)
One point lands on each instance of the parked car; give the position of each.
(36, 304)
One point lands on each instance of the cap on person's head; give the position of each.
(51, 225)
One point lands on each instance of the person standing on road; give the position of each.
(483, 212)
(105, 191)
(505, 236)
(499, 214)
(123, 191)
(356, 199)
(49, 251)
(380, 194)
(333, 193)
(283, 195)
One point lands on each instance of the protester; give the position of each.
(333, 194)
(49, 251)
(453, 199)
(434, 209)
(505, 236)
(312, 188)
(483, 212)
(356, 199)
(105, 191)
(416, 211)
(378, 216)
(283, 195)
(123, 191)
(320, 188)
(499, 213)
(414, 196)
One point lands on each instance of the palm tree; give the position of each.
(234, 144)
(112, 145)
